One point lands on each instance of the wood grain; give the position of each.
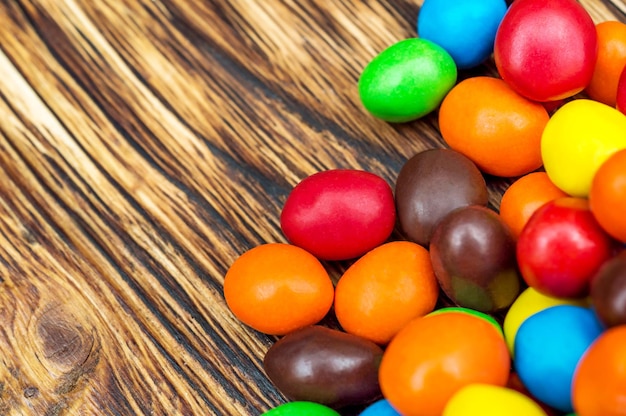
(144, 145)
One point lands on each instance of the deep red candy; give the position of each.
(339, 214)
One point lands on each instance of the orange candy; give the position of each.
(610, 62)
(607, 197)
(524, 196)
(386, 288)
(433, 357)
(277, 288)
(599, 385)
(499, 130)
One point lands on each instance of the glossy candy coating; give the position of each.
(407, 80)
(607, 197)
(488, 400)
(473, 255)
(579, 137)
(608, 291)
(546, 50)
(473, 312)
(301, 409)
(325, 366)
(466, 29)
(548, 347)
(380, 408)
(276, 288)
(339, 214)
(433, 357)
(620, 104)
(367, 300)
(599, 387)
(432, 184)
(610, 62)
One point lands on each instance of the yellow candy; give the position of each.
(488, 400)
(579, 137)
(528, 303)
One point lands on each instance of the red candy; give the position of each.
(546, 50)
(339, 214)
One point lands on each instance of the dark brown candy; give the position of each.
(325, 366)
(432, 184)
(473, 255)
(608, 291)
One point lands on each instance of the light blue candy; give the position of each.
(466, 29)
(380, 408)
(548, 347)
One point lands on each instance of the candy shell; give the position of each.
(301, 408)
(608, 291)
(487, 400)
(473, 312)
(380, 408)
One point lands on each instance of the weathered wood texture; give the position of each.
(144, 145)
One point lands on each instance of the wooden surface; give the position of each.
(144, 145)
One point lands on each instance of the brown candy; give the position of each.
(608, 291)
(473, 255)
(432, 184)
(325, 366)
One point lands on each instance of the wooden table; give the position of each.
(144, 145)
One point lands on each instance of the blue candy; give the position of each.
(466, 29)
(548, 347)
(380, 408)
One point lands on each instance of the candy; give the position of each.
(367, 300)
(496, 128)
(608, 192)
(579, 137)
(325, 366)
(407, 80)
(599, 386)
(277, 288)
(546, 50)
(620, 103)
(473, 255)
(301, 409)
(339, 214)
(380, 408)
(487, 400)
(473, 312)
(433, 357)
(466, 29)
(430, 185)
(562, 247)
(610, 62)
(608, 291)
(548, 346)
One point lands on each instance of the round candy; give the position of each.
(339, 214)
(407, 80)
(621, 93)
(599, 387)
(579, 137)
(607, 196)
(473, 255)
(301, 409)
(466, 29)
(380, 408)
(433, 357)
(430, 185)
(325, 366)
(546, 50)
(499, 130)
(487, 400)
(277, 288)
(610, 62)
(548, 346)
(562, 247)
(367, 300)
(528, 303)
(608, 291)
(473, 312)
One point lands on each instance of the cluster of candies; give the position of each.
(552, 260)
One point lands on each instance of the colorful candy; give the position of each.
(301, 409)
(325, 366)
(339, 214)
(380, 408)
(432, 184)
(608, 194)
(610, 63)
(367, 300)
(608, 291)
(488, 400)
(407, 80)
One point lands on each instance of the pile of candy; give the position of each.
(552, 261)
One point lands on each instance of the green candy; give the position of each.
(301, 409)
(407, 80)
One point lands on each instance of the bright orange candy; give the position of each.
(434, 356)
(499, 130)
(385, 289)
(524, 196)
(607, 197)
(277, 288)
(610, 62)
(599, 385)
